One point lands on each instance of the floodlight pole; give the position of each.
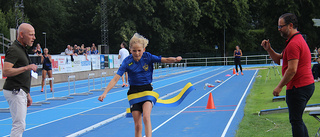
(2, 42)
(45, 39)
(224, 46)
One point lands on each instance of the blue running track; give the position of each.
(87, 117)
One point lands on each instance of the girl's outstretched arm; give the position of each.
(111, 84)
(171, 59)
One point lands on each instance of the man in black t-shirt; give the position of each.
(17, 68)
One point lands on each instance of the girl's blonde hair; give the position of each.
(137, 38)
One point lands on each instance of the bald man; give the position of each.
(17, 68)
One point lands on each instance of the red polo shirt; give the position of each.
(297, 48)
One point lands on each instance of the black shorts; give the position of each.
(138, 106)
(46, 68)
(136, 89)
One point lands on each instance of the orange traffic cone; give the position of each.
(234, 71)
(210, 104)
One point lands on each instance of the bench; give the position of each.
(4, 110)
(315, 114)
(283, 110)
(279, 98)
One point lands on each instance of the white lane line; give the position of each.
(78, 82)
(69, 116)
(236, 110)
(102, 105)
(190, 105)
(97, 96)
(78, 133)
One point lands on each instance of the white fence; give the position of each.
(62, 64)
(219, 61)
(215, 61)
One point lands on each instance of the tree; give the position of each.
(305, 11)
(3, 27)
(64, 21)
(162, 22)
(217, 16)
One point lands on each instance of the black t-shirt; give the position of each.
(76, 51)
(80, 52)
(17, 55)
(38, 51)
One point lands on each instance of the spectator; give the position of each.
(316, 67)
(88, 51)
(69, 51)
(81, 49)
(93, 45)
(94, 49)
(34, 51)
(123, 53)
(315, 52)
(75, 50)
(38, 50)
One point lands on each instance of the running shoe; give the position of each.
(42, 90)
(241, 73)
(237, 73)
(123, 85)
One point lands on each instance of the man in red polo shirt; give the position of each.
(296, 71)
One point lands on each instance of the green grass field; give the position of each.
(271, 125)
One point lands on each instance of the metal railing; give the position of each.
(215, 61)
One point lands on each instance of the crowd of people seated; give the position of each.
(80, 50)
(316, 66)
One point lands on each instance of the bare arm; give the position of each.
(234, 53)
(288, 75)
(119, 56)
(240, 52)
(171, 59)
(274, 56)
(29, 100)
(9, 71)
(50, 58)
(111, 84)
(42, 58)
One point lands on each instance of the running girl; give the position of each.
(139, 66)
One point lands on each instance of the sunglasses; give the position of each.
(281, 26)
